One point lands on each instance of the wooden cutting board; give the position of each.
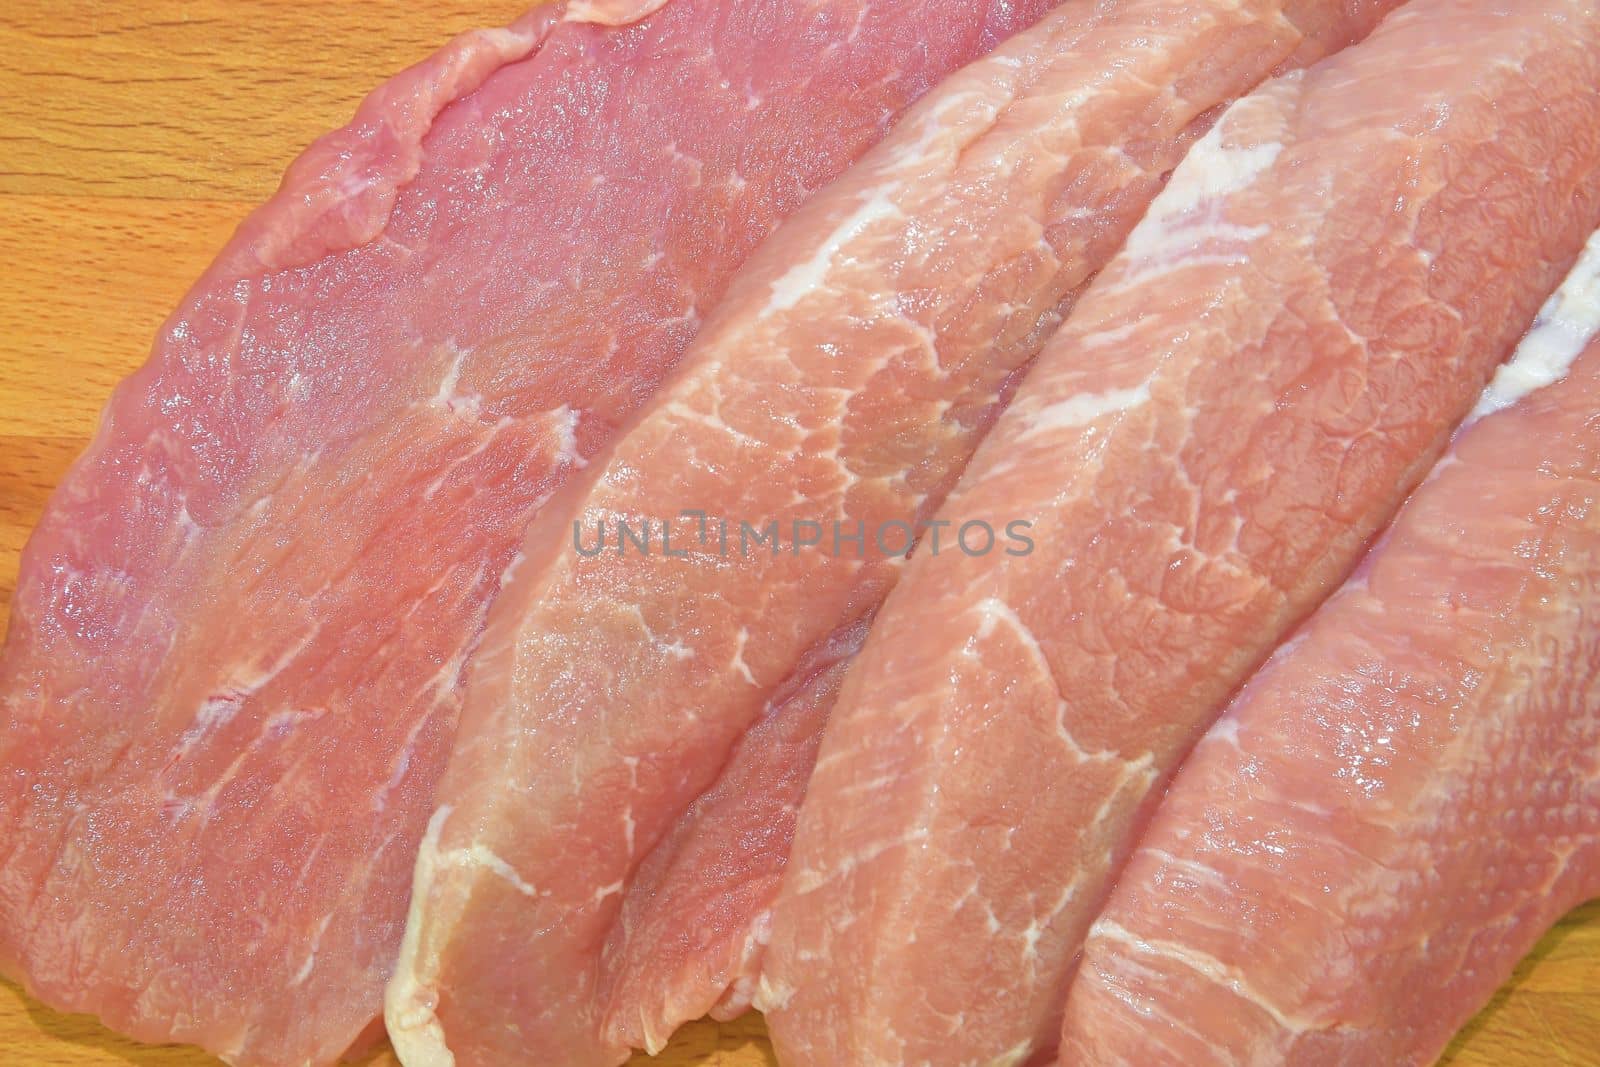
(135, 136)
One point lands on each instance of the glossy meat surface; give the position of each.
(1400, 804)
(694, 923)
(844, 382)
(234, 665)
(1239, 402)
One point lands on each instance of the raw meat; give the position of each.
(689, 939)
(693, 924)
(1243, 397)
(232, 678)
(845, 380)
(1408, 795)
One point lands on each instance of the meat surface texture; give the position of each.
(844, 382)
(1408, 795)
(1063, 166)
(234, 666)
(689, 939)
(1239, 402)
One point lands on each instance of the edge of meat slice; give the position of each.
(845, 380)
(1239, 402)
(233, 669)
(1402, 802)
(696, 915)
(689, 939)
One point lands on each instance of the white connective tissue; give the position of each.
(1568, 322)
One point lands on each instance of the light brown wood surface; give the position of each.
(135, 136)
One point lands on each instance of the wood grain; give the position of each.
(136, 135)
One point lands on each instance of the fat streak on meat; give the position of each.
(1239, 402)
(234, 664)
(1118, 94)
(845, 379)
(1408, 795)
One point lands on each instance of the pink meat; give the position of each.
(692, 929)
(694, 921)
(234, 667)
(844, 382)
(1240, 401)
(1401, 802)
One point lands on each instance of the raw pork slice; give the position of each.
(693, 923)
(1243, 397)
(1408, 795)
(233, 672)
(844, 382)
(688, 941)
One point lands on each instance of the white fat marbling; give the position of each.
(1185, 214)
(807, 277)
(1085, 408)
(1186, 219)
(1568, 322)
(410, 1010)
